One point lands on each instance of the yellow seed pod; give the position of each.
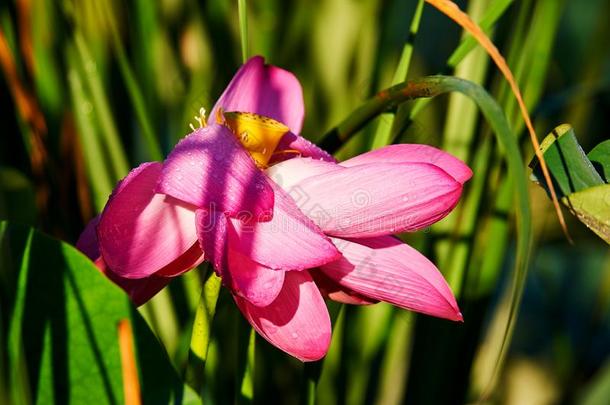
(258, 134)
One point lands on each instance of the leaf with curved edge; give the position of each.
(570, 168)
(600, 157)
(452, 10)
(62, 342)
(592, 208)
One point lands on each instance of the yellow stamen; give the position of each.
(200, 119)
(260, 135)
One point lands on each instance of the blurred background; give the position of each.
(89, 89)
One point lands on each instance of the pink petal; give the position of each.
(256, 283)
(303, 147)
(289, 241)
(141, 232)
(404, 153)
(289, 173)
(265, 90)
(385, 269)
(296, 322)
(139, 290)
(87, 241)
(212, 231)
(378, 199)
(211, 170)
(336, 292)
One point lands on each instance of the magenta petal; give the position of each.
(213, 234)
(258, 284)
(87, 241)
(378, 199)
(296, 322)
(211, 170)
(265, 90)
(404, 153)
(292, 142)
(141, 232)
(336, 292)
(388, 270)
(139, 290)
(289, 241)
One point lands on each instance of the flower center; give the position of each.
(260, 135)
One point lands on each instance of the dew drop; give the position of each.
(294, 335)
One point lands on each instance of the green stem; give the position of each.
(242, 6)
(202, 326)
(246, 362)
(313, 370)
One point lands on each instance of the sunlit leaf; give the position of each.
(568, 164)
(63, 337)
(600, 157)
(592, 208)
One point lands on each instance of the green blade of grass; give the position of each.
(100, 178)
(108, 129)
(133, 88)
(383, 134)
(242, 6)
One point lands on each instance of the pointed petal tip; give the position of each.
(296, 322)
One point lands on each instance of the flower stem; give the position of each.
(202, 325)
(242, 6)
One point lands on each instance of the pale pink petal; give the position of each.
(292, 145)
(256, 283)
(289, 173)
(387, 270)
(336, 292)
(139, 290)
(289, 241)
(378, 199)
(404, 153)
(265, 90)
(211, 170)
(141, 232)
(297, 322)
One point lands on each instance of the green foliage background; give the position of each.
(117, 83)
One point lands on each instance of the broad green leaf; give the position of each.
(600, 157)
(568, 164)
(592, 208)
(62, 341)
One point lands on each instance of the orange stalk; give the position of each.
(131, 383)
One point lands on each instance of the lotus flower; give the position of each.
(279, 219)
